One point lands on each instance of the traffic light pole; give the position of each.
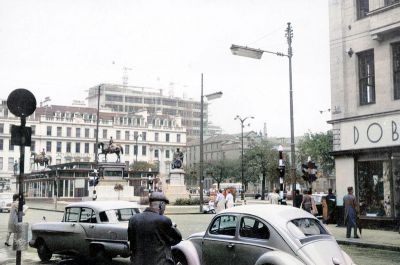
(20, 182)
(281, 169)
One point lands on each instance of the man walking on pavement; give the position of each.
(151, 234)
(350, 213)
(331, 203)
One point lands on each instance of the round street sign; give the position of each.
(21, 102)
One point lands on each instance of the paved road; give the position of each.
(187, 224)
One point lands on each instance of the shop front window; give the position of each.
(374, 188)
(396, 184)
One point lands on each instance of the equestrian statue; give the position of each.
(110, 148)
(41, 159)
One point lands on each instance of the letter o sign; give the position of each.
(374, 132)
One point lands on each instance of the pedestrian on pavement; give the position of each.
(298, 198)
(151, 234)
(273, 197)
(220, 201)
(306, 203)
(12, 219)
(350, 212)
(229, 199)
(331, 203)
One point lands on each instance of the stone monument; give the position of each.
(176, 187)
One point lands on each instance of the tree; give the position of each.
(221, 170)
(318, 146)
(262, 159)
(142, 166)
(191, 175)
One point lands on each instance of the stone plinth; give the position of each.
(176, 187)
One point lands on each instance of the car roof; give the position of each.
(272, 213)
(100, 206)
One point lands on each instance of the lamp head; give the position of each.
(246, 51)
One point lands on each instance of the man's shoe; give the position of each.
(347, 236)
(7, 244)
(356, 237)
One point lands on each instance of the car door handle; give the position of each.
(72, 224)
(91, 226)
(230, 245)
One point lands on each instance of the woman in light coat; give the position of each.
(12, 220)
(220, 201)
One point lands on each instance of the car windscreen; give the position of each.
(117, 215)
(306, 227)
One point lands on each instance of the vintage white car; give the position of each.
(92, 230)
(262, 235)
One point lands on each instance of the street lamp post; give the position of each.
(96, 149)
(201, 169)
(242, 120)
(256, 54)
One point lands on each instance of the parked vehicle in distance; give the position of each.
(259, 235)
(6, 199)
(92, 230)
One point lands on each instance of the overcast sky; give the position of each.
(60, 48)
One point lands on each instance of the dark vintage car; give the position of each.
(262, 235)
(92, 230)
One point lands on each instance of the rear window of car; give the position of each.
(306, 227)
(117, 215)
(72, 214)
(253, 228)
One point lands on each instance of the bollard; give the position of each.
(21, 237)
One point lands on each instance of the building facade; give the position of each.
(224, 147)
(131, 99)
(365, 85)
(68, 134)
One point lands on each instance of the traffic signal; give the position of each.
(281, 165)
(281, 172)
(309, 170)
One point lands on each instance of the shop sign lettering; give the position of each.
(374, 132)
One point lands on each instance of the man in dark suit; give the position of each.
(151, 234)
(331, 203)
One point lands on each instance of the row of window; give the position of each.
(86, 134)
(363, 7)
(151, 101)
(366, 73)
(59, 148)
(68, 148)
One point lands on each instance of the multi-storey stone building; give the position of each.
(130, 99)
(365, 84)
(68, 134)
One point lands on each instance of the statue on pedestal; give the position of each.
(177, 159)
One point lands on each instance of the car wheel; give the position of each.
(100, 256)
(180, 258)
(43, 251)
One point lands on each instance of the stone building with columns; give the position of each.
(68, 134)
